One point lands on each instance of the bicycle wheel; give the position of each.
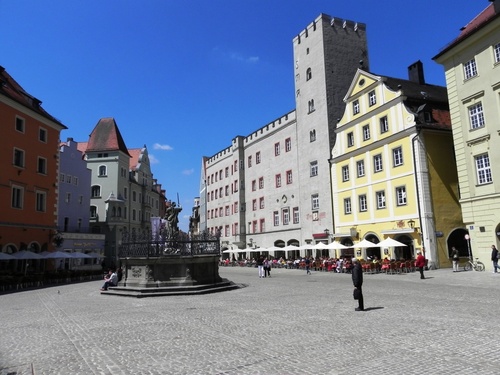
(480, 266)
(467, 266)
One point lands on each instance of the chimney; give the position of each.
(416, 72)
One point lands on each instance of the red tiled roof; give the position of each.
(134, 157)
(481, 20)
(106, 137)
(82, 147)
(13, 90)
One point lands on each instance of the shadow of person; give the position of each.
(373, 308)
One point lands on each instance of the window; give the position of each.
(227, 210)
(62, 177)
(262, 225)
(134, 214)
(363, 205)
(80, 199)
(401, 195)
(360, 167)
(308, 74)
(285, 212)
(312, 135)
(288, 145)
(347, 206)
(68, 178)
(483, 169)
(276, 218)
(41, 201)
(249, 161)
(315, 201)
(380, 199)
(384, 125)
(366, 132)
(75, 180)
(254, 185)
(42, 135)
(278, 180)
(372, 98)
(355, 107)
(227, 171)
(96, 191)
(68, 197)
(310, 106)
(345, 173)
(261, 202)
(17, 197)
(313, 168)
(20, 124)
(102, 171)
(377, 163)
(227, 190)
(289, 178)
(18, 158)
(397, 156)
(277, 149)
(226, 230)
(257, 157)
(134, 196)
(254, 205)
(350, 139)
(470, 69)
(93, 212)
(296, 215)
(496, 50)
(235, 186)
(125, 193)
(235, 167)
(261, 182)
(42, 165)
(236, 205)
(476, 116)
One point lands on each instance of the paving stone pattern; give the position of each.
(291, 323)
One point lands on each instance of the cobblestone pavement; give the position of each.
(291, 323)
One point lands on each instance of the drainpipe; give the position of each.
(415, 138)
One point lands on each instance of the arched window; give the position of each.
(311, 105)
(96, 191)
(103, 171)
(308, 74)
(93, 212)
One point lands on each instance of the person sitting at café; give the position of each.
(111, 279)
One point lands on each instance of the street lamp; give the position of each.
(411, 223)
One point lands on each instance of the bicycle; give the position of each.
(474, 264)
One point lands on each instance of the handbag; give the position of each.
(356, 293)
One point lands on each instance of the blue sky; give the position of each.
(184, 77)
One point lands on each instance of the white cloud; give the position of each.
(236, 56)
(158, 146)
(188, 172)
(153, 159)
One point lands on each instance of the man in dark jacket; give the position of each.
(357, 280)
(494, 258)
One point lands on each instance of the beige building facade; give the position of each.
(472, 67)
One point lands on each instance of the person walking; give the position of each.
(494, 258)
(420, 264)
(260, 266)
(308, 265)
(455, 258)
(357, 280)
(267, 268)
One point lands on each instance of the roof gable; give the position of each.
(106, 137)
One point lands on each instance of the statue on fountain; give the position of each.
(172, 217)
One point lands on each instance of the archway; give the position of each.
(404, 252)
(457, 239)
(372, 252)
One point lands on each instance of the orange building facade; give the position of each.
(29, 151)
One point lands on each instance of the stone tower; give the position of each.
(327, 54)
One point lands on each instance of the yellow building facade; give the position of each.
(391, 172)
